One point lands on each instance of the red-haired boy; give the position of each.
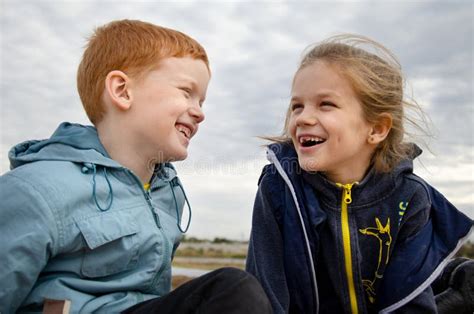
(93, 214)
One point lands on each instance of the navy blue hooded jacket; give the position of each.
(381, 255)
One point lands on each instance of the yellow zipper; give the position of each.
(346, 239)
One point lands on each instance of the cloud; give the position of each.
(254, 49)
(221, 196)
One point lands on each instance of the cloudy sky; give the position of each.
(254, 49)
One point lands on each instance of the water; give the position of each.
(189, 272)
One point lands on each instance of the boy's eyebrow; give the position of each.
(188, 80)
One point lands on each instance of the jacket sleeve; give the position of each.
(417, 217)
(433, 232)
(27, 229)
(265, 254)
(421, 304)
(425, 301)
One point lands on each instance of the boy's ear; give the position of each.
(380, 129)
(117, 85)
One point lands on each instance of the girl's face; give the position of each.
(327, 125)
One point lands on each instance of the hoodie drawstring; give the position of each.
(173, 183)
(110, 196)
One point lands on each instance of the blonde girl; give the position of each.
(341, 224)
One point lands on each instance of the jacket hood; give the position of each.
(286, 154)
(369, 189)
(80, 144)
(70, 142)
(405, 277)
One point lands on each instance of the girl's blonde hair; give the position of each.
(377, 80)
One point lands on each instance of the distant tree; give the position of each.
(192, 240)
(467, 250)
(221, 240)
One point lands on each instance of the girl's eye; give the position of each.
(327, 103)
(296, 106)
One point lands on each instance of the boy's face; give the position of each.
(166, 108)
(327, 124)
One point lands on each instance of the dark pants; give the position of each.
(226, 290)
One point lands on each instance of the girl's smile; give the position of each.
(327, 125)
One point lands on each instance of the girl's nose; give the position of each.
(306, 117)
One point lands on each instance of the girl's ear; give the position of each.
(380, 129)
(117, 88)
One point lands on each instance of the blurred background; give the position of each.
(254, 49)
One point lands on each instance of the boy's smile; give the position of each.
(186, 130)
(166, 108)
(327, 125)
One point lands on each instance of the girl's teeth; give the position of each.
(307, 139)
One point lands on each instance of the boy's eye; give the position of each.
(187, 92)
(296, 106)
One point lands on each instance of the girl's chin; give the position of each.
(309, 165)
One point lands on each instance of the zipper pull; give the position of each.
(147, 196)
(347, 196)
(154, 210)
(147, 189)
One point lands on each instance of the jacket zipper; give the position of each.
(346, 240)
(166, 248)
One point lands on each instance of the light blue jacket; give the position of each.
(75, 224)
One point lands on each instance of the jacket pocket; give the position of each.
(111, 243)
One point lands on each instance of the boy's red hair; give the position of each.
(131, 46)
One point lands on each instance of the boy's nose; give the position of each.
(197, 113)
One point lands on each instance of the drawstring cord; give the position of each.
(94, 195)
(174, 183)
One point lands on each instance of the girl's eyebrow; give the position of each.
(328, 94)
(294, 98)
(321, 94)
